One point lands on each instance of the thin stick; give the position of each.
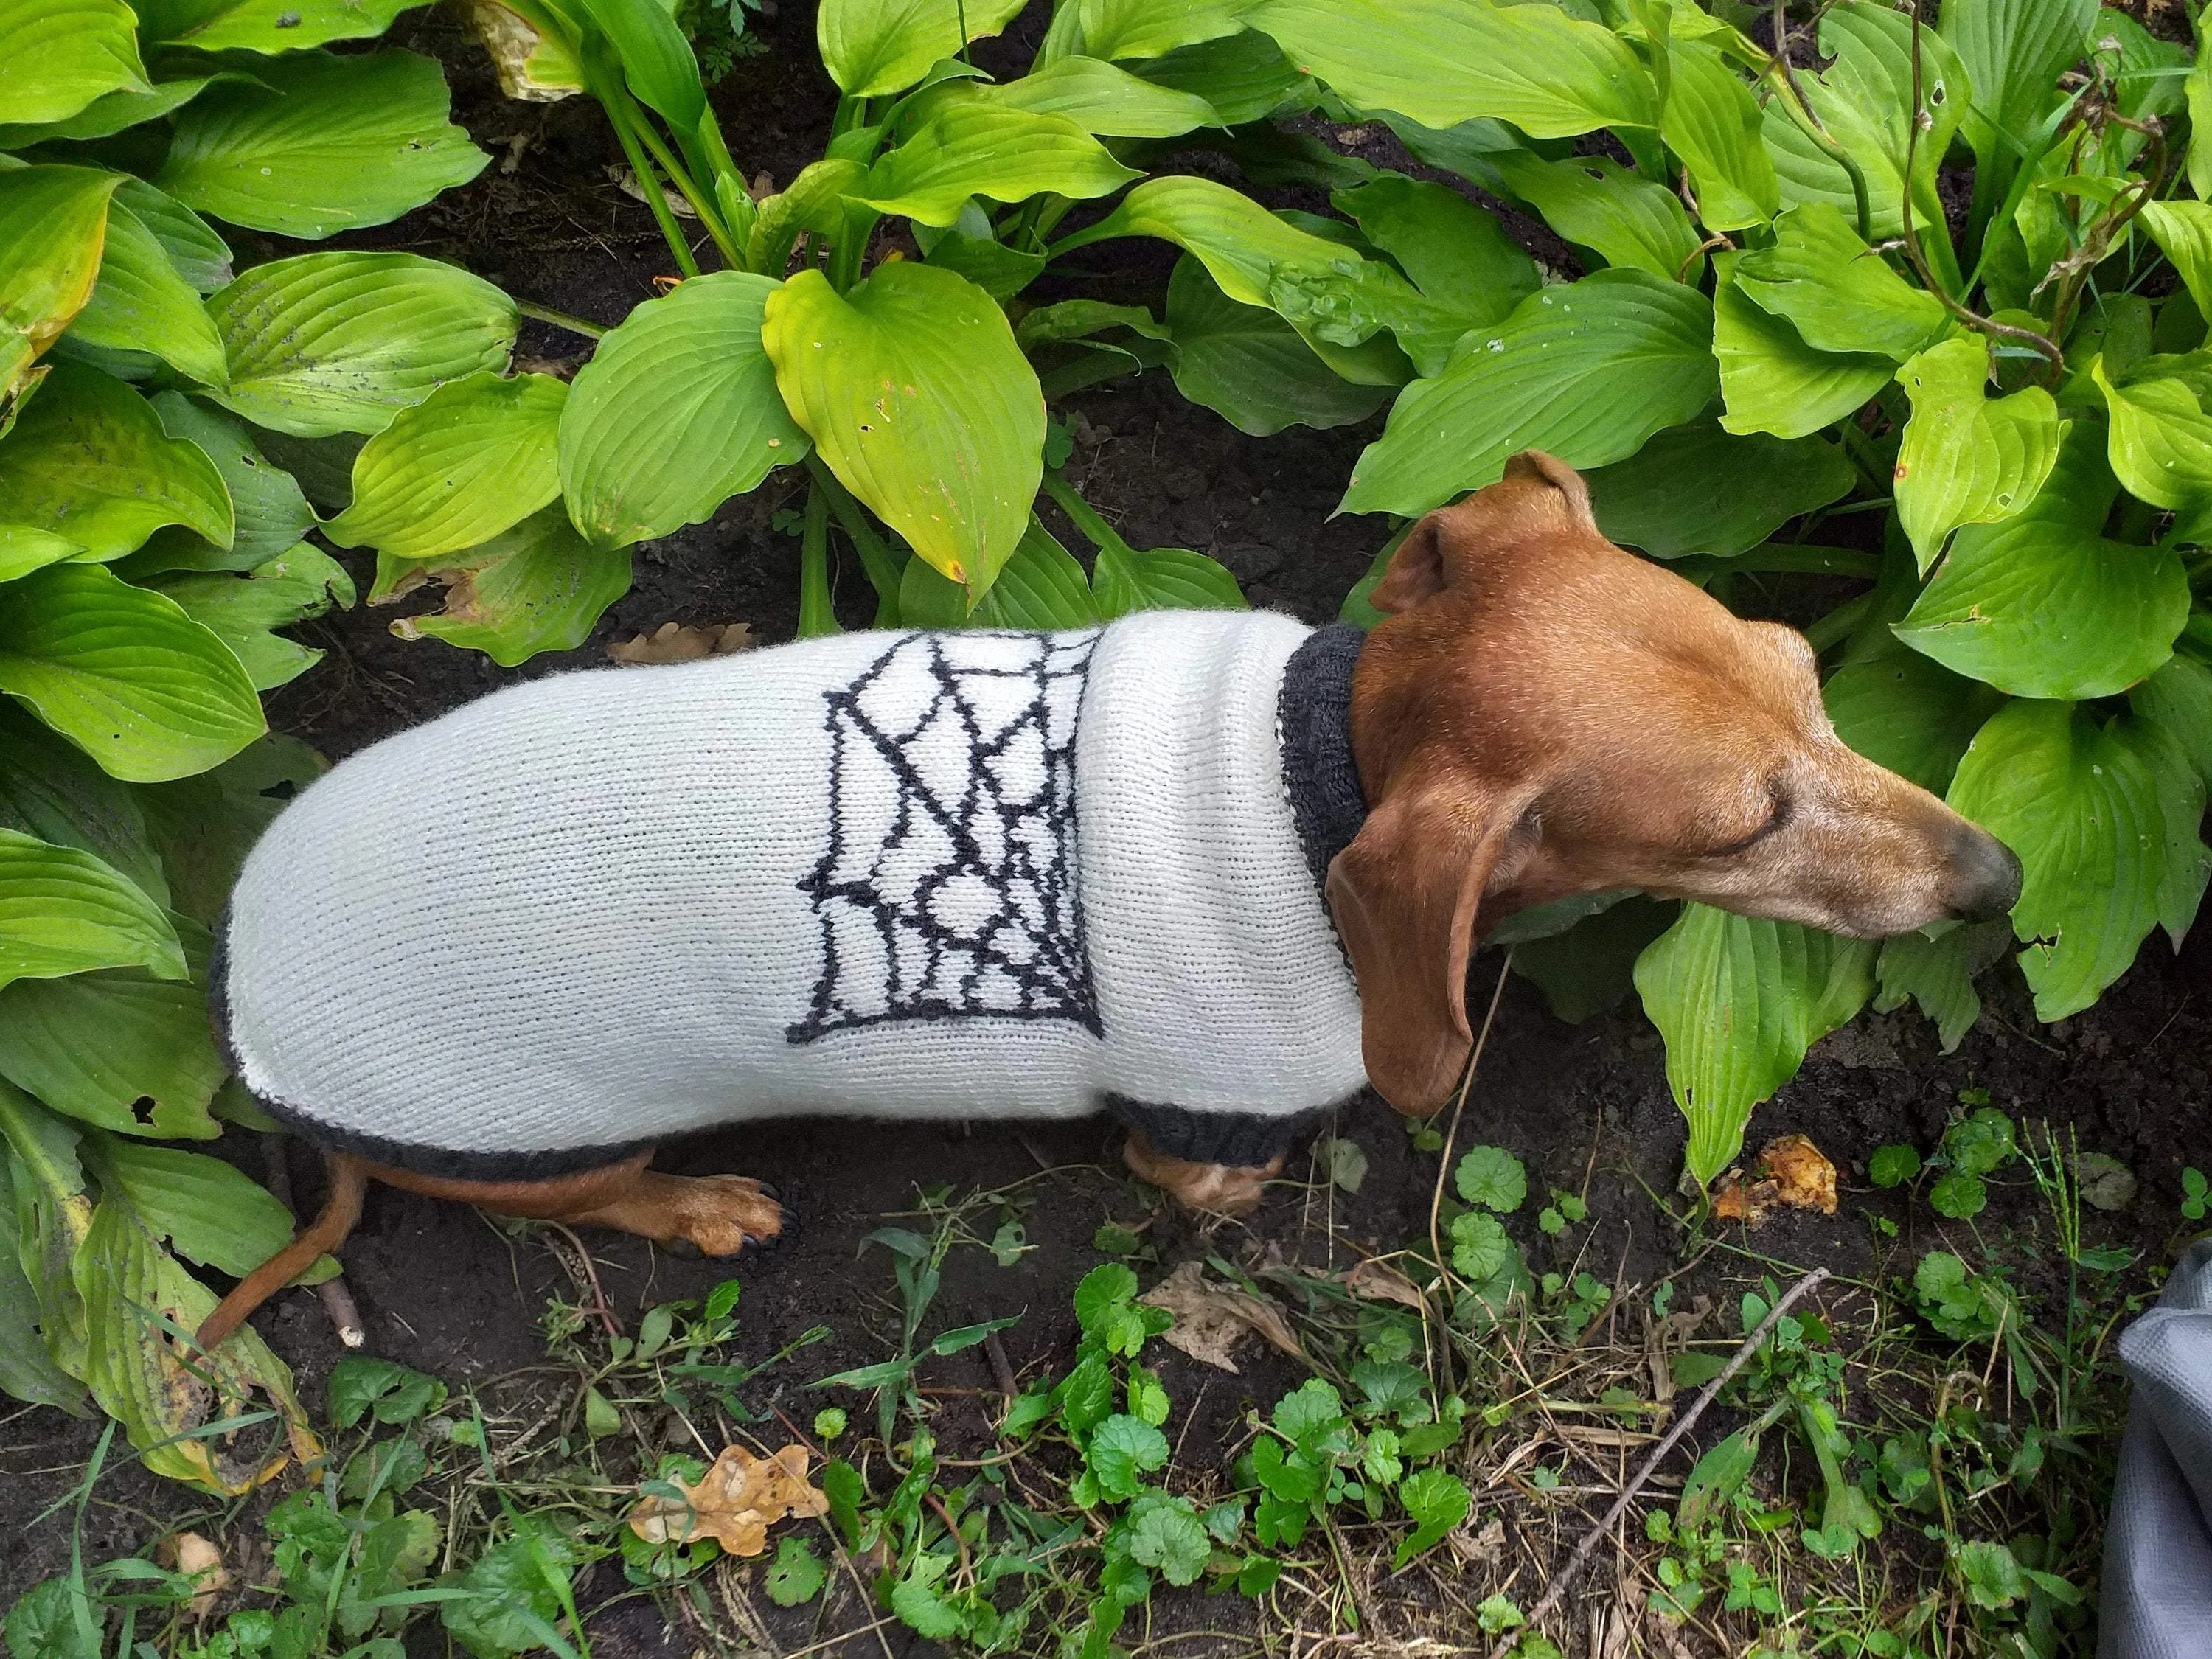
(338, 1301)
(1563, 1581)
(1466, 1083)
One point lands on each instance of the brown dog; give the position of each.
(1540, 715)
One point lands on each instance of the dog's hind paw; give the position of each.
(714, 1215)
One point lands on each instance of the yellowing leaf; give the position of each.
(1968, 457)
(734, 1503)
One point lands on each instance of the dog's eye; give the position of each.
(1775, 819)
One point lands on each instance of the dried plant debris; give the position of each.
(683, 643)
(1789, 1173)
(1211, 1319)
(734, 1503)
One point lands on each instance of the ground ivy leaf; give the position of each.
(1166, 1533)
(1493, 1177)
(796, 1575)
(1121, 1449)
(1481, 1248)
(1438, 1501)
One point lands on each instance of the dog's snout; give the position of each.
(1986, 883)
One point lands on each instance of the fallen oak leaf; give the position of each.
(682, 643)
(1210, 1320)
(734, 1503)
(1377, 1280)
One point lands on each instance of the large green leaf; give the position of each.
(28, 1369)
(1939, 975)
(1442, 62)
(142, 302)
(265, 26)
(62, 54)
(476, 456)
(120, 1048)
(1041, 587)
(1968, 457)
(1908, 712)
(1773, 381)
(25, 548)
(2179, 700)
(330, 342)
(205, 824)
(1339, 301)
(2183, 231)
(124, 674)
(317, 144)
(1104, 99)
(200, 257)
(2080, 805)
(2015, 50)
(51, 789)
(53, 225)
(539, 586)
(2198, 89)
(1862, 99)
(298, 585)
(2044, 604)
(1663, 498)
(657, 60)
(1739, 1001)
(208, 1211)
(676, 412)
(1596, 204)
(88, 460)
(2186, 868)
(1458, 254)
(2160, 445)
(1588, 372)
(915, 392)
(271, 512)
(106, 115)
(1711, 120)
(978, 148)
(63, 911)
(1242, 78)
(1127, 579)
(1837, 291)
(1152, 28)
(1249, 367)
(872, 47)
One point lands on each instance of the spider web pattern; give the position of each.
(948, 888)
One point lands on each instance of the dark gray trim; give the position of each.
(1313, 719)
(1243, 1140)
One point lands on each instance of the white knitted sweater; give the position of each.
(956, 875)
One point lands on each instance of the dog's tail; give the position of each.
(349, 1179)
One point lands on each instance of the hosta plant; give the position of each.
(151, 545)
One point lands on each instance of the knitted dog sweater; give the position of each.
(968, 874)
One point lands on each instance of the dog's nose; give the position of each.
(1986, 884)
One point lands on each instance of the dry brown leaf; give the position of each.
(626, 181)
(188, 1553)
(1591, 1434)
(1486, 1548)
(1211, 1319)
(1374, 1280)
(681, 642)
(1789, 1173)
(735, 1503)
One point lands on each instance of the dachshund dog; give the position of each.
(1208, 871)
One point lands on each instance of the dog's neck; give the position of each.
(1313, 719)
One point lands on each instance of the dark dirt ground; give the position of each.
(444, 1290)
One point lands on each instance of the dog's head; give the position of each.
(1543, 714)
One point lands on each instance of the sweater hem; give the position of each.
(1241, 1140)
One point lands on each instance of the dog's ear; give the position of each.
(1404, 896)
(1538, 492)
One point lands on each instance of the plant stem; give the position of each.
(817, 616)
(1083, 515)
(561, 319)
(648, 181)
(1800, 109)
(709, 214)
(877, 558)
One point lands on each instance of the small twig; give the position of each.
(1564, 1580)
(338, 1301)
(591, 1277)
(1451, 1133)
(1001, 1372)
